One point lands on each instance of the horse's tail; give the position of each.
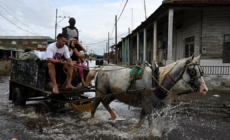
(91, 75)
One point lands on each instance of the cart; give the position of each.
(29, 81)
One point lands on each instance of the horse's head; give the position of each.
(193, 75)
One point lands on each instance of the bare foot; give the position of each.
(71, 87)
(55, 90)
(84, 85)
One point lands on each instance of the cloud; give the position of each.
(94, 18)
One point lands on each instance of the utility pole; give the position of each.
(107, 52)
(116, 58)
(108, 48)
(131, 19)
(56, 24)
(145, 10)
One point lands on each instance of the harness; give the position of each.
(136, 73)
(192, 74)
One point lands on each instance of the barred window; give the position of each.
(189, 47)
(226, 49)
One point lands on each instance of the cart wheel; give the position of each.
(43, 108)
(18, 98)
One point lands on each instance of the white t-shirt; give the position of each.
(53, 52)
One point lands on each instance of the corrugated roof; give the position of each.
(25, 37)
(196, 1)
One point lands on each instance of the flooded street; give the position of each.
(182, 117)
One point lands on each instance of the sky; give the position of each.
(95, 19)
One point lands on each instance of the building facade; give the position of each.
(13, 46)
(180, 28)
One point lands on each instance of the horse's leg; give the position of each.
(148, 102)
(106, 103)
(142, 118)
(94, 107)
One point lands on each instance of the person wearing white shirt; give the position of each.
(54, 52)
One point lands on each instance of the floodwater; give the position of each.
(185, 117)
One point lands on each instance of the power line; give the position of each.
(17, 13)
(18, 26)
(103, 40)
(112, 31)
(18, 19)
(122, 10)
(119, 16)
(120, 7)
(28, 8)
(54, 3)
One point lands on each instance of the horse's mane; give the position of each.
(165, 70)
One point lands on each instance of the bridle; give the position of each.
(192, 74)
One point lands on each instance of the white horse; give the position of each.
(115, 79)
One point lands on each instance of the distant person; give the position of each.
(70, 31)
(54, 53)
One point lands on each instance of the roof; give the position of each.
(188, 3)
(25, 37)
(9, 49)
(196, 2)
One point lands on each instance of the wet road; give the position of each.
(187, 117)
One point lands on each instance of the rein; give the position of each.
(170, 77)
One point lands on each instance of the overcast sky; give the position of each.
(94, 18)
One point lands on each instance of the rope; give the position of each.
(125, 67)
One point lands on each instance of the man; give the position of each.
(54, 53)
(70, 31)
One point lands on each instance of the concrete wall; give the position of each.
(4, 67)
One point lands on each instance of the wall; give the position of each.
(191, 27)
(216, 23)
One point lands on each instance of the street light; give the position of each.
(58, 22)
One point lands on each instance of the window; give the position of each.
(226, 49)
(189, 47)
(24, 42)
(13, 42)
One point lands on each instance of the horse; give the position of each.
(115, 79)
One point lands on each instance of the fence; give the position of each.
(216, 70)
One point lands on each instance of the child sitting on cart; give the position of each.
(79, 57)
(82, 65)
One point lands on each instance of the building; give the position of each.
(13, 46)
(180, 28)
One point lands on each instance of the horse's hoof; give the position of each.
(139, 125)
